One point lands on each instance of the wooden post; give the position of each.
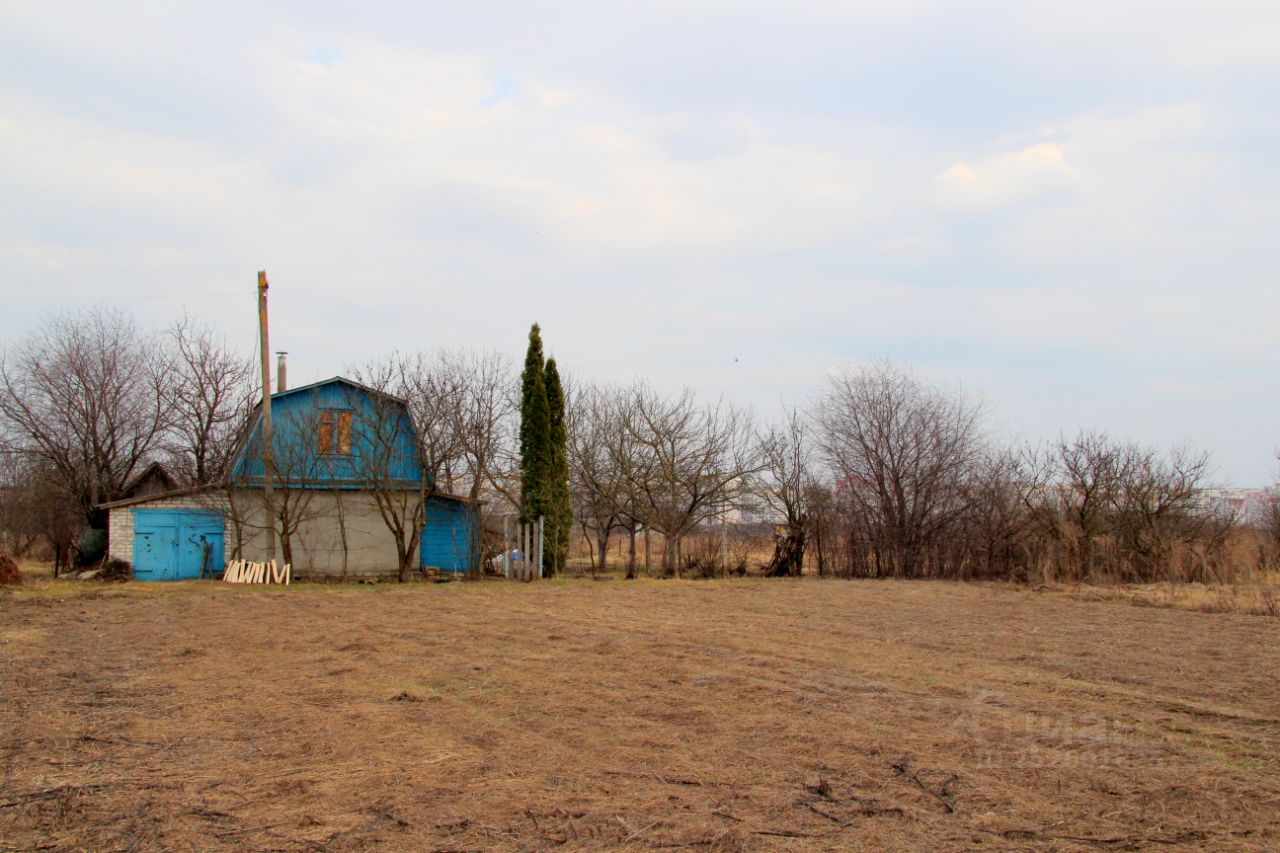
(542, 521)
(526, 537)
(268, 501)
(521, 547)
(506, 547)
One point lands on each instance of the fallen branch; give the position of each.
(903, 768)
(640, 831)
(828, 815)
(790, 833)
(669, 780)
(49, 794)
(228, 833)
(1127, 841)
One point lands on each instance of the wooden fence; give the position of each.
(522, 560)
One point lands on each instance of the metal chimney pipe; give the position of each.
(281, 384)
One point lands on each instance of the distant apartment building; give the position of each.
(1246, 506)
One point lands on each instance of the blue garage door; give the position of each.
(171, 544)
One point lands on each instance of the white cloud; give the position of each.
(1037, 174)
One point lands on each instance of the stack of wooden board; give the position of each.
(244, 571)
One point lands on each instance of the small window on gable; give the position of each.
(334, 432)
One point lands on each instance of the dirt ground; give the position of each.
(733, 715)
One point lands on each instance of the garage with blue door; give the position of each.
(174, 544)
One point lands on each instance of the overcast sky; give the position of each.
(1070, 210)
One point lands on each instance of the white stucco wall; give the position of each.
(318, 549)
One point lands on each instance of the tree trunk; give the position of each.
(671, 556)
(788, 555)
(631, 553)
(602, 547)
(342, 531)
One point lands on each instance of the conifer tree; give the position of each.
(559, 511)
(535, 433)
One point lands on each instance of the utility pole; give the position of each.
(267, 461)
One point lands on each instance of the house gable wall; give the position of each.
(383, 446)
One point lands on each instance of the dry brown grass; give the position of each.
(740, 715)
(1253, 593)
(36, 569)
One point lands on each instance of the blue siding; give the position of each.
(446, 536)
(383, 445)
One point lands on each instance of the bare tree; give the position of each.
(210, 395)
(995, 538)
(696, 461)
(35, 506)
(388, 458)
(459, 407)
(20, 521)
(823, 524)
(901, 451)
(787, 456)
(434, 397)
(597, 483)
(1092, 470)
(1156, 513)
(631, 467)
(83, 395)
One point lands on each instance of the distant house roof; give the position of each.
(152, 480)
(155, 496)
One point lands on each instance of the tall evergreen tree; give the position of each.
(558, 509)
(535, 433)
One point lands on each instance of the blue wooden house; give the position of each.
(347, 475)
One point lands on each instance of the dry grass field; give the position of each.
(735, 715)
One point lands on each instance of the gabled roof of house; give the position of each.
(154, 471)
(342, 380)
